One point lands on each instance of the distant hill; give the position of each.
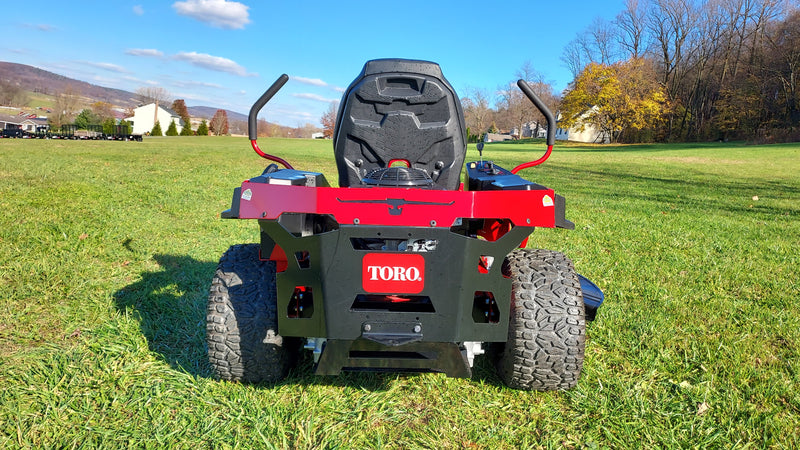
(41, 81)
(37, 80)
(207, 112)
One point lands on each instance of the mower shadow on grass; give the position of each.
(170, 306)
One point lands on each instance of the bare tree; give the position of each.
(66, 107)
(671, 23)
(12, 94)
(238, 127)
(631, 23)
(518, 109)
(305, 131)
(573, 58)
(602, 36)
(783, 66)
(477, 112)
(152, 94)
(595, 44)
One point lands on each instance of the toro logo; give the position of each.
(393, 273)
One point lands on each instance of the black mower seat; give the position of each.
(405, 110)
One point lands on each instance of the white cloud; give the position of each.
(190, 84)
(138, 10)
(151, 52)
(311, 81)
(107, 66)
(315, 97)
(104, 80)
(47, 28)
(193, 97)
(215, 63)
(316, 82)
(217, 13)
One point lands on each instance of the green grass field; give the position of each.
(107, 250)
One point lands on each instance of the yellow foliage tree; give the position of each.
(619, 99)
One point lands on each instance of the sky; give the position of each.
(225, 54)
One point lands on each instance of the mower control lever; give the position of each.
(551, 126)
(252, 119)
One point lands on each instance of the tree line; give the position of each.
(668, 70)
(677, 70)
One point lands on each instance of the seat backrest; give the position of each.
(400, 109)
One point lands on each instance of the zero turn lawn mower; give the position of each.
(403, 267)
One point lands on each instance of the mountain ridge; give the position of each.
(34, 79)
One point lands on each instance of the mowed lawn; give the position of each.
(107, 250)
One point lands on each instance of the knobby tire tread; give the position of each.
(242, 322)
(547, 330)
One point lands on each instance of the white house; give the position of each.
(497, 137)
(531, 130)
(145, 117)
(586, 132)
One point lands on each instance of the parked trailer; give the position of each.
(71, 131)
(13, 133)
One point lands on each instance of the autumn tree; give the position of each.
(597, 43)
(328, 120)
(237, 127)
(103, 110)
(179, 107)
(631, 35)
(219, 123)
(623, 100)
(305, 131)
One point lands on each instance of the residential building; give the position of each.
(144, 118)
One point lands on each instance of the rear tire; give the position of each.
(242, 322)
(547, 330)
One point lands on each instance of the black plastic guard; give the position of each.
(233, 212)
(413, 357)
(592, 297)
(561, 212)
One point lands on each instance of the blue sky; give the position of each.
(226, 53)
